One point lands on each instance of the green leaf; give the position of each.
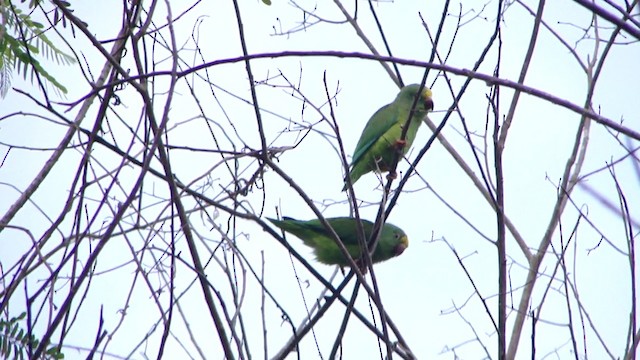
(23, 39)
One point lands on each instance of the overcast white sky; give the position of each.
(419, 289)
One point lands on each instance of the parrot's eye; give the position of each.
(396, 235)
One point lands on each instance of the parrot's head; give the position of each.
(410, 92)
(399, 240)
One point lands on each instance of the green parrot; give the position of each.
(380, 138)
(393, 241)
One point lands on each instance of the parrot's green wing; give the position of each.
(307, 232)
(393, 241)
(371, 145)
(312, 231)
(316, 236)
(380, 123)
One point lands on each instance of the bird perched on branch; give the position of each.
(393, 241)
(381, 138)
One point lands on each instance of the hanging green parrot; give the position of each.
(380, 139)
(393, 241)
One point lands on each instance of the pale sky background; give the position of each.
(419, 289)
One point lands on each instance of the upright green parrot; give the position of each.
(393, 241)
(380, 139)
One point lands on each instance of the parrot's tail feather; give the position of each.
(353, 176)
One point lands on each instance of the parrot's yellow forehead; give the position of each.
(426, 93)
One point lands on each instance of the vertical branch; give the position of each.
(500, 222)
(534, 321)
(400, 83)
(628, 228)
(565, 283)
(265, 346)
(500, 137)
(254, 96)
(345, 321)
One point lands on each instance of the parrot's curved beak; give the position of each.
(404, 244)
(428, 104)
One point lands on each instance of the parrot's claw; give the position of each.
(342, 270)
(392, 176)
(401, 143)
(363, 270)
(362, 266)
